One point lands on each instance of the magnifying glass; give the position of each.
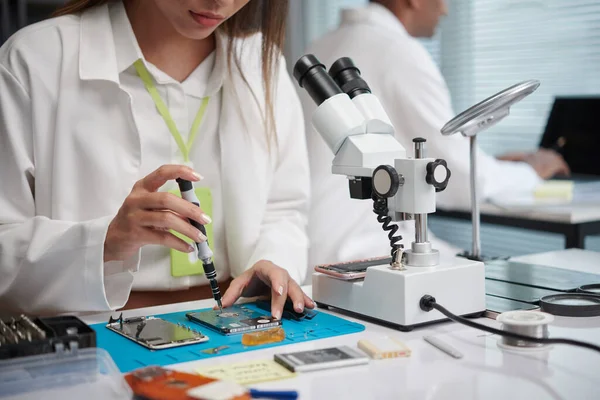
(478, 118)
(571, 304)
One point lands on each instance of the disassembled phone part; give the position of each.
(234, 320)
(155, 333)
(156, 383)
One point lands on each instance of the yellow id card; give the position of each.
(188, 264)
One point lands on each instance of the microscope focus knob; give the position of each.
(438, 174)
(386, 181)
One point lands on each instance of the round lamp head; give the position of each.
(490, 111)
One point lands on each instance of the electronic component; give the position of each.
(263, 337)
(234, 320)
(24, 336)
(156, 383)
(155, 333)
(313, 360)
(215, 350)
(288, 310)
(204, 252)
(384, 347)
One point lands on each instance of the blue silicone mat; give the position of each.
(129, 355)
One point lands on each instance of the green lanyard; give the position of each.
(164, 112)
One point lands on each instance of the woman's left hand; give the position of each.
(265, 276)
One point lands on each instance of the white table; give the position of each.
(575, 221)
(485, 372)
(573, 259)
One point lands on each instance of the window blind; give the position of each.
(488, 45)
(484, 46)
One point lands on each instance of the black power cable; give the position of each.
(428, 303)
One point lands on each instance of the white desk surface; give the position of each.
(568, 213)
(485, 371)
(573, 259)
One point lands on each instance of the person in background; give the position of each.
(102, 108)
(381, 40)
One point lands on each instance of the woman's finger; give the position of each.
(168, 220)
(153, 181)
(236, 287)
(167, 239)
(296, 295)
(309, 302)
(169, 201)
(278, 279)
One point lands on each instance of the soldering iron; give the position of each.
(205, 254)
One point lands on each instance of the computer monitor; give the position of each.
(573, 129)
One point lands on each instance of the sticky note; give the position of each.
(555, 189)
(247, 372)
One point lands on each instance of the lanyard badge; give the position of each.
(182, 264)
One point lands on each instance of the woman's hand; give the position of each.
(146, 216)
(264, 276)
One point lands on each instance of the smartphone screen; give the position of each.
(355, 266)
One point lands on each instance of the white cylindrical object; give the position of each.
(336, 119)
(421, 228)
(374, 113)
(528, 323)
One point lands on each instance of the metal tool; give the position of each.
(19, 330)
(205, 254)
(443, 346)
(478, 118)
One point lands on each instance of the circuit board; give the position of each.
(234, 320)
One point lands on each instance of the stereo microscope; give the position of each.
(402, 187)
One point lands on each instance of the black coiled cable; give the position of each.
(381, 209)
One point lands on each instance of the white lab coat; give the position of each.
(70, 154)
(411, 88)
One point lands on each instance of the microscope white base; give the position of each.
(392, 297)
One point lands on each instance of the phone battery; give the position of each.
(313, 360)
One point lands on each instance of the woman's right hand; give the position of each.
(146, 216)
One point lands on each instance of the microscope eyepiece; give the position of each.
(313, 77)
(347, 76)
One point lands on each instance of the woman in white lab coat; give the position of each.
(87, 159)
